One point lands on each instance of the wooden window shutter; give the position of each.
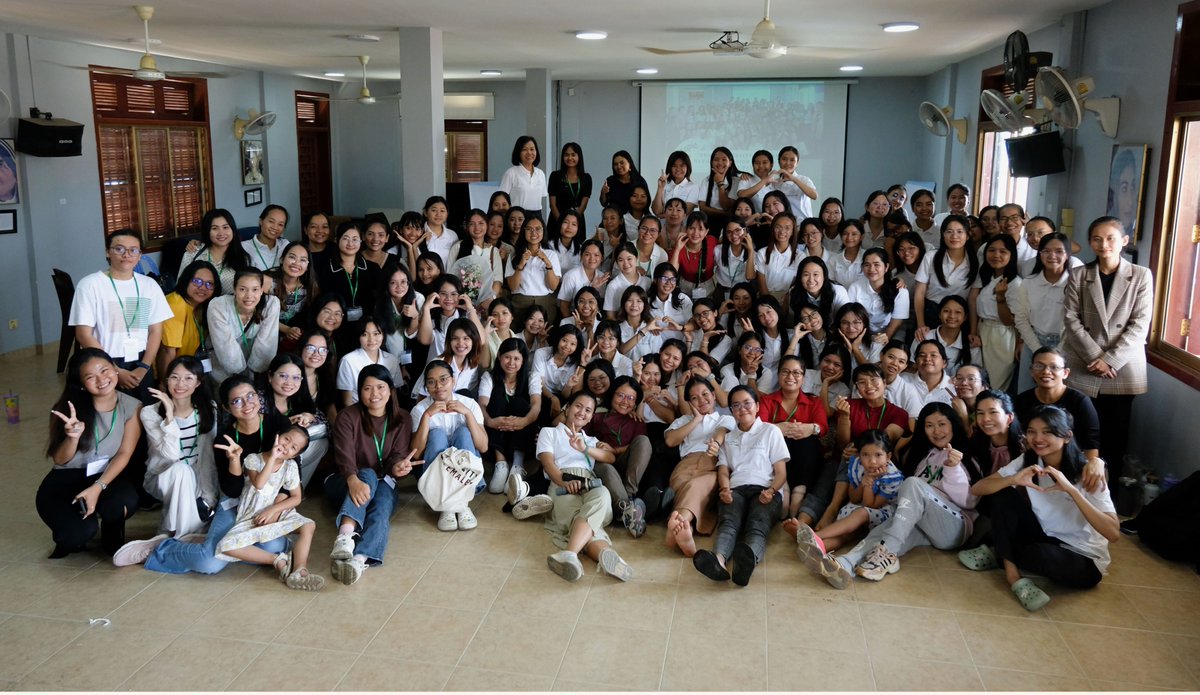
(153, 148)
(187, 167)
(119, 189)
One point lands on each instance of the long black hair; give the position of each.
(299, 400)
(1060, 423)
(202, 400)
(189, 273)
(75, 394)
(891, 284)
(799, 296)
(981, 444)
(499, 394)
(659, 271)
(939, 256)
(235, 255)
(920, 446)
(388, 319)
(393, 411)
(1012, 270)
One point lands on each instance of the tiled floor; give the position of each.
(478, 610)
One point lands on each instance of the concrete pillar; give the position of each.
(422, 115)
(539, 115)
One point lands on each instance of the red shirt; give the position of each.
(808, 410)
(863, 417)
(690, 263)
(614, 429)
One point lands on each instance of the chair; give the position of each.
(64, 287)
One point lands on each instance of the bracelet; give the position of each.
(103, 486)
(141, 364)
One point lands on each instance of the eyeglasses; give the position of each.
(668, 280)
(966, 380)
(439, 381)
(704, 314)
(294, 378)
(1011, 218)
(754, 350)
(316, 350)
(334, 313)
(625, 397)
(350, 241)
(742, 405)
(448, 295)
(205, 284)
(791, 372)
(648, 228)
(249, 399)
(1052, 368)
(131, 251)
(181, 379)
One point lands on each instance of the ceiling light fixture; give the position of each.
(647, 71)
(335, 74)
(851, 68)
(362, 38)
(489, 72)
(591, 35)
(900, 27)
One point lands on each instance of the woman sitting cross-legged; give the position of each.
(581, 508)
(694, 480)
(934, 505)
(1043, 520)
(372, 448)
(751, 472)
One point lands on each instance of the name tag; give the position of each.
(129, 350)
(699, 292)
(354, 313)
(97, 467)
(229, 503)
(389, 481)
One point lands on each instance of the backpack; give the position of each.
(1169, 525)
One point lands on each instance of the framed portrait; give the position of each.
(8, 221)
(253, 165)
(253, 196)
(10, 185)
(1127, 186)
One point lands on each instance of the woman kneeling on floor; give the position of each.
(582, 507)
(1043, 521)
(751, 472)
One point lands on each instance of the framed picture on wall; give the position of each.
(252, 163)
(1127, 186)
(253, 196)
(8, 221)
(10, 191)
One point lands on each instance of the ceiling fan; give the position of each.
(764, 42)
(147, 69)
(364, 95)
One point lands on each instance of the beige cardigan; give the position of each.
(1115, 330)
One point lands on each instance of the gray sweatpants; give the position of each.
(922, 517)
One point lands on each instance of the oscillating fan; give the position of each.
(1065, 101)
(254, 124)
(1006, 112)
(937, 120)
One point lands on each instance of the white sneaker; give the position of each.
(343, 547)
(566, 565)
(467, 520)
(348, 571)
(499, 478)
(611, 564)
(448, 521)
(136, 552)
(532, 506)
(517, 488)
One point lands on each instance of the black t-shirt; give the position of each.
(1087, 423)
(618, 193)
(1106, 283)
(568, 195)
(231, 485)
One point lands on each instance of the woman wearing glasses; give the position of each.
(182, 333)
(286, 394)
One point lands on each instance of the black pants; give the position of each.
(1114, 413)
(663, 460)
(502, 443)
(71, 532)
(805, 464)
(1019, 538)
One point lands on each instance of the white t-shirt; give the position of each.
(729, 379)
(696, 441)
(985, 304)
(659, 309)
(262, 256)
(120, 320)
(616, 289)
(533, 278)
(526, 189)
(956, 278)
(554, 378)
(442, 245)
(574, 280)
(354, 362)
(845, 272)
(781, 270)
(1060, 518)
(862, 293)
(801, 204)
(557, 442)
(448, 421)
(751, 456)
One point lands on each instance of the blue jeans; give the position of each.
(176, 557)
(373, 518)
(440, 440)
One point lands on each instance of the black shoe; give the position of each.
(653, 499)
(206, 512)
(705, 561)
(668, 500)
(743, 564)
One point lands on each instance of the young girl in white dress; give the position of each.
(260, 518)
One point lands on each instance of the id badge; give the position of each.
(389, 481)
(129, 350)
(699, 292)
(229, 503)
(354, 313)
(96, 467)
(205, 357)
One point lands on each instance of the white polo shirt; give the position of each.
(262, 256)
(781, 269)
(956, 278)
(845, 272)
(985, 304)
(696, 441)
(685, 190)
(557, 441)
(751, 456)
(526, 189)
(442, 245)
(862, 293)
(616, 289)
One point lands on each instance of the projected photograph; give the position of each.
(696, 117)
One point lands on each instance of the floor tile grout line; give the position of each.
(483, 620)
(147, 663)
(574, 629)
(671, 621)
(83, 628)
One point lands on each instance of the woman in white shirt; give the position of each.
(668, 305)
(746, 369)
(951, 336)
(992, 325)
(586, 274)
(581, 510)
(567, 241)
(733, 259)
(438, 238)
(847, 263)
(1038, 304)
(533, 270)
(370, 351)
(243, 327)
(676, 182)
(524, 183)
(650, 253)
(1055, 528)
(556, 363)
(718, 190)
(930, 231)
(468, 356)
(777, 263)
(694, 479)
(952, 269)
(885, 301)
(874, 219)
(639, 208)
(799, 189)
(476, 246)
(831, 221)
(815, 288)
(625, 274)
(958, 198)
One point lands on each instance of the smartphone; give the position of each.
(81, 505)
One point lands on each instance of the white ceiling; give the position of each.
(304, 37)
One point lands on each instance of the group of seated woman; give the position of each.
(718, 368)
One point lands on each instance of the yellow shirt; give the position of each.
(180, 331)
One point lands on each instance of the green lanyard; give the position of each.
(881, 412)
(188, 454)
(254, 243)
(111, 426)
(138, 307)
(352, 281)
(616, 433)
(199, 330)
(236, 435)
(379, 441)
(242, 328)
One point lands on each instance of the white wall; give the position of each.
(883, 137)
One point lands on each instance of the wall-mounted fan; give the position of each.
(364, 94)
(1021, 64)
(254, 123)
(937, 120)
(1065, 100)
(147, 70)
(1009, 113)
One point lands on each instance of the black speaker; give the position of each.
(1035, 155)
(50, 137)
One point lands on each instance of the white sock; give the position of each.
(518, 461)
(347, 529)
(361, 558)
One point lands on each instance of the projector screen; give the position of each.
(745, 117)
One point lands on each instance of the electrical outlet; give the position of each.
(12, 324)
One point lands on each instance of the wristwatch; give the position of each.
(816, 430)
(102, 484)
(141, 364)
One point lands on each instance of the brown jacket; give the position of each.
(354, 449)
(1115, 330)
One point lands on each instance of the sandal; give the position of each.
(979, 559)
(1030, 596)
(286, 570)
(302, 580)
